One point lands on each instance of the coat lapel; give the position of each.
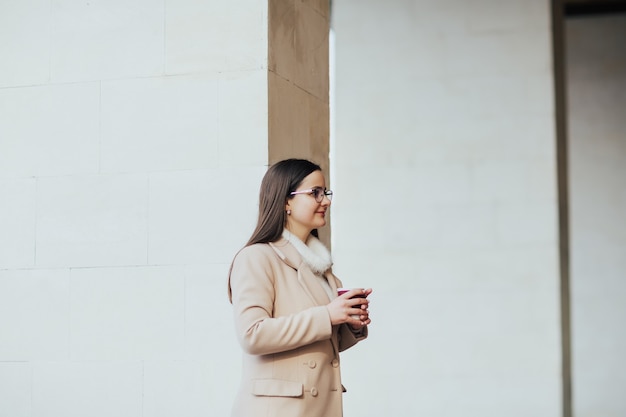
(332, 280)
(307, 279)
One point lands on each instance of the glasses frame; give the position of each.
(318, 193)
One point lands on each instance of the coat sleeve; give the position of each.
(349, 337)
(252, 283)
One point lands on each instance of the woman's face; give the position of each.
(306, 213)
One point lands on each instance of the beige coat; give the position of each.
(291, 350)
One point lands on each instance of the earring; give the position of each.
(288, 212)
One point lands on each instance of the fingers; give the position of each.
(352, 307)
(359, 321)
(357, 293)
(359, 315)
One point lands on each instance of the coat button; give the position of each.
(314, 392)
(335, 363)
(312, 364)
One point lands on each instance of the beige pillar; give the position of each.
(298, 111)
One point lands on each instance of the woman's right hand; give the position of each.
(351, 307)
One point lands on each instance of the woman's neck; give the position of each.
(300, 233)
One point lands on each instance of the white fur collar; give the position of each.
(313, 253)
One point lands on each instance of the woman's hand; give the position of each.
(351, 307)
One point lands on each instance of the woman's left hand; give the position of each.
(351, 308)
(364, 317)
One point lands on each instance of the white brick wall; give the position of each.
(104, 40)
(159, 124)
(180, 388)
(128, 313)
(25, 42)
(49, 130)
(446, 204)
(96, 389)
(15, 389)
(35, 312)
(201, 217)
(17, 222)
(213, 36)
(133, 137)
(92, 220)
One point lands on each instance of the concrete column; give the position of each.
(298, 82)
(596, 80)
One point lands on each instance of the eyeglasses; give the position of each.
(318, 193)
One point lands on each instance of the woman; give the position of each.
(288, 318)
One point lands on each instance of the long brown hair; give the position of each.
(279, 181)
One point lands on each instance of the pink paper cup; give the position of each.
(341, 291)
